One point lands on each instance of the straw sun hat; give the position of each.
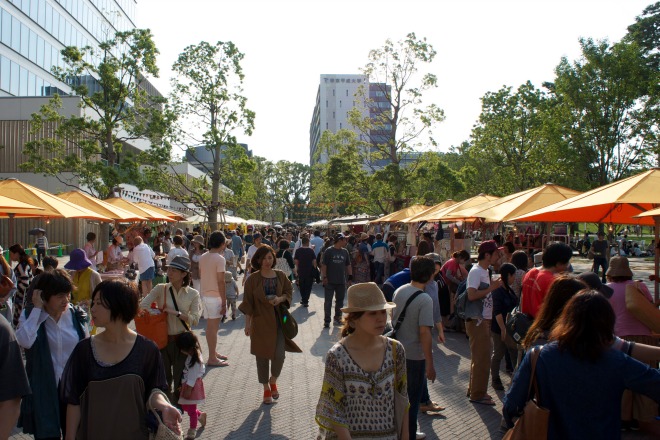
(366, 297)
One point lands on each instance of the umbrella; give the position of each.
(50, 206)
(257, 222)
(36, 231)
(401, 214)
(620, 202)
(515, 205)
(290, 225)
(100, 206)
(132, 207)
(655, 215)
(437, 212)
(163, 211)
(13, 206)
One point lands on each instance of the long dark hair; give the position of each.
(6, 268)
(23, 258)
(346, 329)
(189, 344)
(561, 290)
(505, 270)
(586, 326)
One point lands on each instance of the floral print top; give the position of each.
(359, 400)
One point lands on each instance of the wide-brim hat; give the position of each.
(180, 262)
(77, 260)
(363, 235)
(593, 280)
(198, 239)
(619, 267)
(366, 297)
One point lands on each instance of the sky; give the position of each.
(481, 46)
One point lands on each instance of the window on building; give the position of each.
(333, 92)
(340, 125)
(6, 28)
(14, 79)
(333, 115)
(5, 74)
(326, 102)
(340, 103)
(326, 125)
(25, 40)
(40, 53)
(23, 84)
(49, 18)
(32, 84)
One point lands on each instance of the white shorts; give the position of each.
(212, 307)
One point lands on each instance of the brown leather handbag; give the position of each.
(533, 423)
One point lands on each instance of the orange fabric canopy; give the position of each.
(437, 213)
(618, 202)
(401, 214)
(128, 206)
(97, 205)
(52, 206)
(515, 205)
(163, 211)
(20, 209)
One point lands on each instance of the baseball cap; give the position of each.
(339, 237)
(488, 246)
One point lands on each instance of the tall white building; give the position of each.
(334, 99)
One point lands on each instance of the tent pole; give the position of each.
(656, 256)
(11, 229)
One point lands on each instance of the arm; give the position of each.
(192, 315)
(171, 416)
(26, 333)
(72, 421)
(426, 339)
(222, 290)
(10, 410)
(500, 323)
(474, 294)
(151, 297)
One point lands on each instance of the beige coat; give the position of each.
(263, 328)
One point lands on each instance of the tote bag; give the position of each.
(153, 327)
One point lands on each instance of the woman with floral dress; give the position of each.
(24, 274)
(363, 371)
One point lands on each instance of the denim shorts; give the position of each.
(148, 274)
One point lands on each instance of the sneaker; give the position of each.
(192, 433)
(497, 384)
(202, 419)
(326, 325)
(336, 322)
(233, 317)
(420, 435)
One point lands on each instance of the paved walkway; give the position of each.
(234, 395)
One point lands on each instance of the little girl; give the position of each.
(192, 386)
(231, 290)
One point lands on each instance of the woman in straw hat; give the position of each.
(377, 365)
(635, 408)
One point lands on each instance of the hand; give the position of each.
(430, 370)
(247, 331)
(223, 309)
(441, 338)
(6, 284)
(324, 281)
(503, 335)
(36, 299)
(495, 284)
(276, 301)
(172, 418)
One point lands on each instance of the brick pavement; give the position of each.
(234, 395)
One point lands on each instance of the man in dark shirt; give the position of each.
(600, 250)
(336, 272)
(305, 260)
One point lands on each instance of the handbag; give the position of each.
(162, 431)
(518, 324)
(639, 306)
(289, 324)
(283, 265)
(392, 333)
(533, 423)
(153, 327)
(401, 402)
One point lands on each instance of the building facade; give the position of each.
(337, 95)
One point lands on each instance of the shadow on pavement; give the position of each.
(257, 425)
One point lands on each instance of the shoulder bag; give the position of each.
(392, 333)
(289, 324)
(162, 431)
(176, 307)
(283, 265)
(153, 327)
(639, 306)
(401, 402)
(518, 323)
(533, 423)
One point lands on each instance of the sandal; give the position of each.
(221, 356)
(202, 419)
(218, 364)
(484, 401)
(268, 397)
(273, 391)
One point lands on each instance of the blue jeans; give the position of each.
(600, 262)
(416, 371)
(379, 271)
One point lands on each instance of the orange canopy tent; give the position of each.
(655, 215)
(132, 207)
(437, 213)
(515, 205)
(97, 205)
(163, 211)
(620, 202)
(401, 214)
(50, 206)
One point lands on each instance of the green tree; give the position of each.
(604, 110)
(433, 181)
(207, 95)
(341, 185)
(116, 110)
(511, 141)
(291, 189)
(408, 122)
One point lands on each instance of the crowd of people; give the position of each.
(87, 374)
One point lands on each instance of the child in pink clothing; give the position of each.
(192, 386)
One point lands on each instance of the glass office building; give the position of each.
(33, 33)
